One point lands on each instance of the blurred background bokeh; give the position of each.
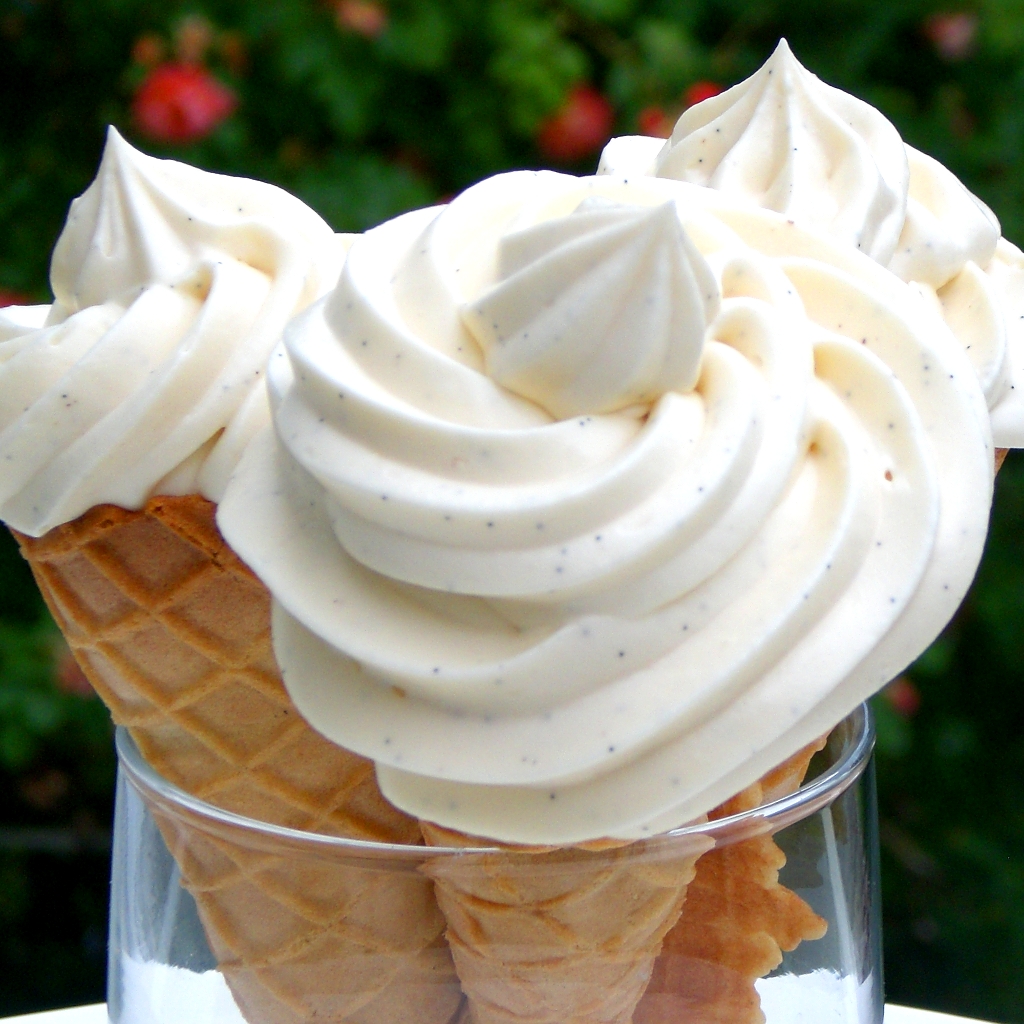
(365, 108)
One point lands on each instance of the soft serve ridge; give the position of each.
(550, 619)
(783, 140)
(146, 374)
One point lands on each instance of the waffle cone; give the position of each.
(736, 922)
(306, 937)
(173, 631)
(557, 936)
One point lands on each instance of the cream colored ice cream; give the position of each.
(591, 500)
(783, 140)
(146, 375)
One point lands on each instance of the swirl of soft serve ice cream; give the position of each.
(785, 141)
(147, 373)
(590, 500)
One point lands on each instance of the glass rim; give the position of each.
(823, 790)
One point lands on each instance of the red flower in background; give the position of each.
(701, 91)
(181, 103)
(580, 128)
(44, 790)
(192, 38)
(952, 35)
(148, 50)
(364, 17)
(655, 122)
(903, 696)
(232, 49)
(70, 677)
(9, 298)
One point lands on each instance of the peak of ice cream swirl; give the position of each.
(589, 501)
(783, 140)
(146, 374)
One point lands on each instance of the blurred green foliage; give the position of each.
(366, 108)
(56, 782)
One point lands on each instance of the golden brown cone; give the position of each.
(173, 631)
(557, 936)
(303, 939)
(736, 922)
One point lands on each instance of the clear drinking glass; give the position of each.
(218, 919)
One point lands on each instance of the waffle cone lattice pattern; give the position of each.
(306, 939)
(735, 924)
(173, 631)
(562, 936)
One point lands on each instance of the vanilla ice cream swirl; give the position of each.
(789, 142)
(784, 140)
(146, 375)
(552, 610)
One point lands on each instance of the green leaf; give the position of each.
(895, 735)
(1002, 24)
(419, 36)
(14, 889)
(955, 738)
(344, 89)
(355, 192)
(937, 659)
(669, 54)
(17, 747)
(32, 708)
(603, 10)
(534, 64)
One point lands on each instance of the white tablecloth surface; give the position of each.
(98, 1015)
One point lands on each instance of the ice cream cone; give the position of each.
(735, 923)
(320, 936)
(557, 936)
(574, 934)
(173, 630)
